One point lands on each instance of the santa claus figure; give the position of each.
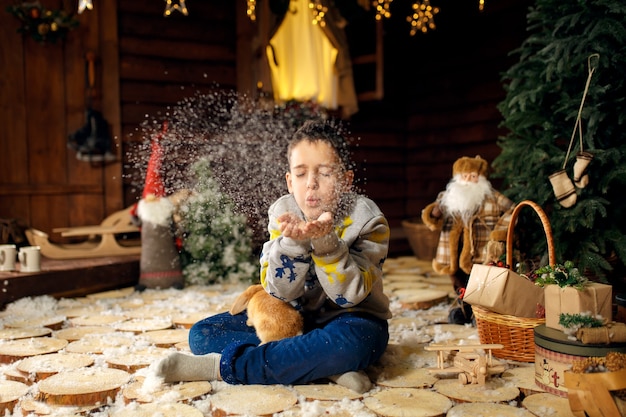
(469, 213)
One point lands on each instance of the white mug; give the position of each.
(30, 259)
(7, 257)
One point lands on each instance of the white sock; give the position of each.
(357, 381)
(181, 367)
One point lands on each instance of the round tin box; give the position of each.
(555, 353)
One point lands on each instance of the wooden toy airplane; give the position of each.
(101, 239)
(473, 363)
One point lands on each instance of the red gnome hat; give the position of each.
(154, 183)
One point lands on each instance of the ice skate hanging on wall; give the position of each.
(92, 142)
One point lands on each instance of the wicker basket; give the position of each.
(422, 240)
(516, 334)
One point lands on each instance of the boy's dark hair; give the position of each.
(328, 131)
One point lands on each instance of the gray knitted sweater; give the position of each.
(340, 272)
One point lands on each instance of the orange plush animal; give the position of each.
(272, 318)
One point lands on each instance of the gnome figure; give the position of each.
(160, 265)
(469, 214)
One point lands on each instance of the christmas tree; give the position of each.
(568, 40)
(217, 245)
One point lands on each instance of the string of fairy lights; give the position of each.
(421, 20)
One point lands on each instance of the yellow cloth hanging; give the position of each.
(302, 59)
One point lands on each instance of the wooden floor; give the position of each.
(70, 278)
(153, 323)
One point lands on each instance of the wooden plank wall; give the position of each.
(456, 113)
(166, 59)
(442, 90)
(43, 99)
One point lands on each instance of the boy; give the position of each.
(325, 254)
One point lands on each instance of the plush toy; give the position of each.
(160, 265)
(470, 213)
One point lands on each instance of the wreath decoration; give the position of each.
(42, 24)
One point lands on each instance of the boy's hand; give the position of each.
(294, 227)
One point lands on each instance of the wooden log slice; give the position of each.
(157, 409)
(408, 402)
(133, 361)
(487, 410)
(204, 291)
(43, 366)
(112, 294)
(30, 407)
(397, 288)
(77, 311)
(438, 280)
(326, 392)
(24, 332)
(151, 295)
(149, 312)
(404, 375)
(408, 275)
(414, 268)
(409, 262)
(143, 325)
(404, 323)
(523, 377)
(10, 394)
(74, 302)
(14, 350)
(184, 391)
(495, 390)
(13, 374)
(407, 353)
(186, 320)
(260, 400)
(408, 336)
(98, 343)
(52, 322)
(97, 320)
(183, 346)
(165, 338)
(436, 315)
(328, 409)
(547, 405)
(421, 299)
(82, 387)
(132, 303)
(396, 277)
(452, 334)
(72, 334)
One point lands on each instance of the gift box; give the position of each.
(503, 291)
(594, 298)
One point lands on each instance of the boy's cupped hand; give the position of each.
(294, 227)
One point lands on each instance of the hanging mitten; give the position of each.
(581, 178)
(563, 188)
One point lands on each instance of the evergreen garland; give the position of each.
(565, 275)
(216, 242)
(543, 95)
(576, 321)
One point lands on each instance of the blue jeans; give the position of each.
(348, 342)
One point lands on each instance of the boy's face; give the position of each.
(316, 178)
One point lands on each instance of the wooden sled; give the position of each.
(101, 239)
